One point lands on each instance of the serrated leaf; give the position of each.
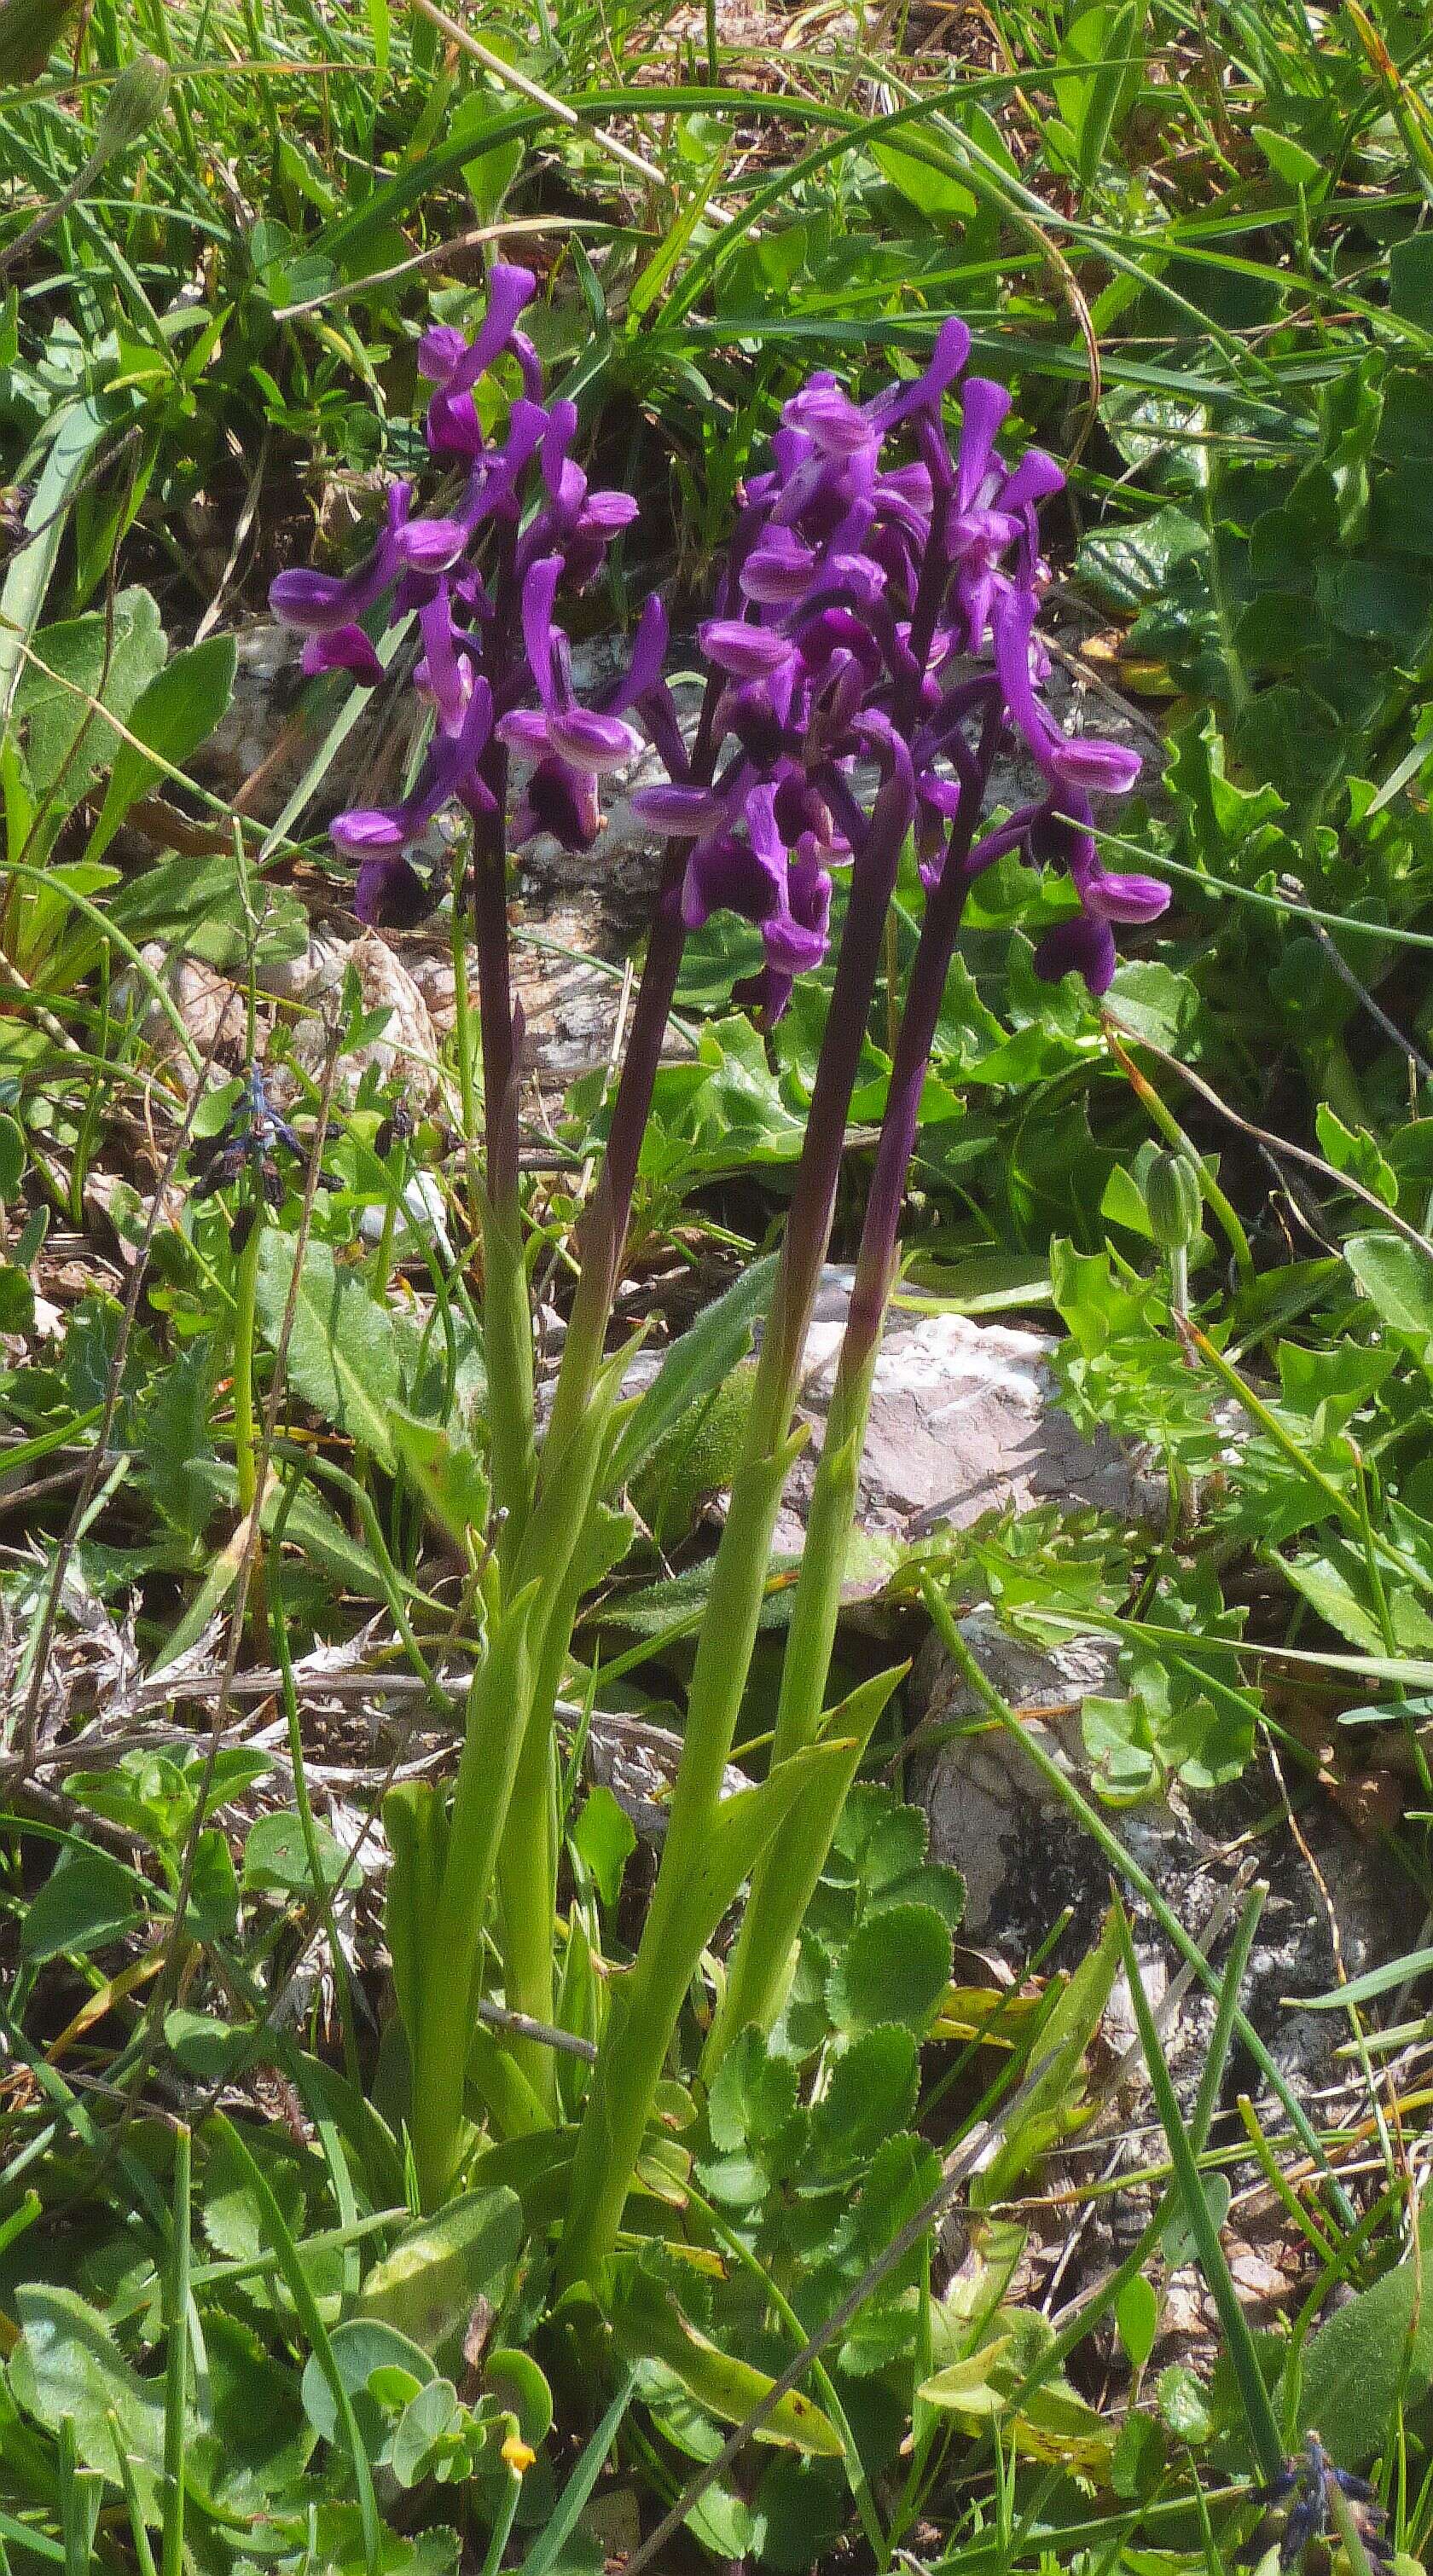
(67, 2368)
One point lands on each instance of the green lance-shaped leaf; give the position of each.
(498, 1703)
(695, 1366)
(649, 2325)
(417, 1832)
(687, 1907)
(784, 1879)
(1264, 2435)
(1063, 2041)
(431, 2280)
(170, 719)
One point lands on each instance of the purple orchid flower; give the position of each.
(1085, 944)
(573, 746)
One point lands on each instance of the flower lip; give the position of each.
(1081, 946)
(678, 810)
(314, 602)
(441, 351)
(1123, 898)
(1088, 761)
(342, 648)
(778, 569)
(390, 894)
(836, 426)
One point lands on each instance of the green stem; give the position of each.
(784, 1879)
(451, 1941)
(176, 2371)
(553, 1554)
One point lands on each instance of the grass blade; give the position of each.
(1259, 2414)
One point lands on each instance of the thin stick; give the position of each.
(509, 78)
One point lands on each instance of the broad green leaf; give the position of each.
(700, 1361)
(606, 1838)
(342, 1351)
(445, 1470)
(1368, 2356)
(108, 660)
(68, 2368)
(78, 433)
(1396, 1278)
(361, 2347)
(171, 717)
(88, 1899)
(276, 1855)
(431, 2281)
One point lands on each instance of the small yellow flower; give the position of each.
(518, 2454)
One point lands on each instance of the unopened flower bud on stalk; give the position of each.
(133, 105)
(1174, 1200)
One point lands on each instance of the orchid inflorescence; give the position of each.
(870, 615)
(870, 651)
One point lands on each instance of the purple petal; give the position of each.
(1131, 898)
(447, 678)
(949, 355)
(342, 648)
(747, 652)
(1081, 946)
(777, 572)
(452, 427)
(367, 828)
(610, 511)
(1096, 766)
(525, 730)
(983, 407)
(314, 602)
(677, 811)
(1034, 479)
(509, 289)
(834, 424)
(430, 545)
(441, 351)
(591, 741)
(765, 994)
(561, 801)
(649, 652)
(539, 597)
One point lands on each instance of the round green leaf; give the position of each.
(894, 1968)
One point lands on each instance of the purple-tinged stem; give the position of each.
(507, 1320)
(784, 1878)
(602, 1233)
